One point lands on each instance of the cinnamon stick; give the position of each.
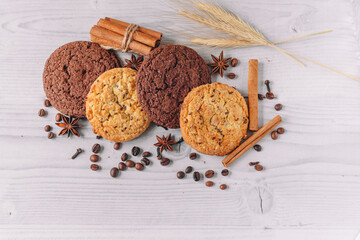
(109, 38)
(251, 141)
(253, 95)
(137, 36)
(150, 32)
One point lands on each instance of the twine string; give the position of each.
(130, 30)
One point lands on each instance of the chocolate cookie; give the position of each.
(165, 78)
(70, 71)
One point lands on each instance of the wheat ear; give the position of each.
(242, 34)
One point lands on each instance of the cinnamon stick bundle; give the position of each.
(155, 34)
(115, 34)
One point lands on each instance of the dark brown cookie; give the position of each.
(165, 78)
(70, 71)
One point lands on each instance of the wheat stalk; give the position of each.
(241, 34)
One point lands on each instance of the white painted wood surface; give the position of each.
(310, 188)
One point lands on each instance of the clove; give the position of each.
(78, 151)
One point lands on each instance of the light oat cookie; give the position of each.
(214, 119)
(112, 106)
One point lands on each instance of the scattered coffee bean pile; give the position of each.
(274, 134)
(96, 148)
(256, 165)
(43, 113)
(126, 162)
(67, 123)
(269, 95)
(233, 63)
(48, 128)
(197, 176)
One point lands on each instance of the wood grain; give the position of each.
(308, 190)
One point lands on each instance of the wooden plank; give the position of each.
(308, 189)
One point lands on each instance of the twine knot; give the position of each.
(128, 37)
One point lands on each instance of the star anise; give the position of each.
(165, 143)
(134, 62)
(69, 125)
(219, 64)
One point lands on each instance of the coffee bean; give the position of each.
(193, 156)
(278, 107)
(58, 117)
(274, 135)
(145, 161)
(146, 154)
(51, 135)
(231, 75)
(129, 164)
(223, 186)
(280, 130)
(234, 62)
(209, 183)
(47, 103)
(114, 172)
(117, 146)
(94, 167)
(165, 161)
(260, 97)
(135, 151)
(225, 172)
(47, 128)
(189, 169)
(96, 148)
(124, 157)
(269, 95)
(94, 158)
(259, 167)
(139, 166)
(180, 174)
(257, 148)
(42, 112)
(196, 176)
(122, 166)
(209, 173)
(253, 163)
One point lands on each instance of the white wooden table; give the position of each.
(310, 188)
